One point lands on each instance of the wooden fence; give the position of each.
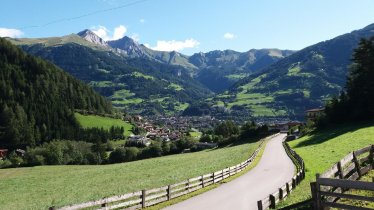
(331, 186)
(144, 198)
(271, 200)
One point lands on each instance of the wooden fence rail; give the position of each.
(332, 185)
(144, 198)
(287, 188)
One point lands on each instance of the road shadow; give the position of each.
(321, 135)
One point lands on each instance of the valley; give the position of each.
(115, 104)
(260, 84)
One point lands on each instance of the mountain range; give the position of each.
(301, 81)
(259, 83)
(142, 80)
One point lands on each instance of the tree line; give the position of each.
(355, 103)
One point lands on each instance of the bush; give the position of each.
(118, 155)
(205, 138)
(5, 163)
(61, 152)
(15, 159)
(126, 154)
(154, 150)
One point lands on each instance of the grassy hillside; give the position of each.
(41, 187)
(323, 149)
(301, 81)
(91, 121)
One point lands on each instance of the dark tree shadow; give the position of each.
(321, 135)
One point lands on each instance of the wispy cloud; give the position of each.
(105, 33)
(10, 32)
(142, 21)
(175, 45)
(135, 37)
(229, 36)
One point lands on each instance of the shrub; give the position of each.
(118, 155)
(61, 152)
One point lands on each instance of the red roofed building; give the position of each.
(3, 153)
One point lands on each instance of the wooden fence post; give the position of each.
(318, 195)
(143, 198)
(188, 185)
(280, 194)
(272, 201)
(313, 188)
(287, 188)
(202, 181)
(357, 165)
(340, 170)
(168, 191)
(297, 179)
(214, 181)
(371, 156)
(259, 205)
(293, 183)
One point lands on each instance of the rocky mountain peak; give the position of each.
(128, 46)
(92, 37)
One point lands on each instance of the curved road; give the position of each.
(274, 170)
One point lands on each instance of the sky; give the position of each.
(191, 26)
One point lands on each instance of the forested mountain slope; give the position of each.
(136, 84)
(37, 100)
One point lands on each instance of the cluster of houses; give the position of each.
(169, 128)
(154, 131)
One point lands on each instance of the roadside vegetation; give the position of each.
(322, 149)
(344, 125)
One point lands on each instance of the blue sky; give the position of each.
(191, 26)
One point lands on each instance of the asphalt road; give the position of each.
(274, 170)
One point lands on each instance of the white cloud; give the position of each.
(142, 20)
(10, 32)
(119, 32)
(135, 37)
(229, 36)
(175, 45)
(104, 33)
(101, 31)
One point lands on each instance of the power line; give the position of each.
(86, 15)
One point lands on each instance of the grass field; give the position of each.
(175, 87)
(367, 204)
(91, 121)
(195, 134)
(323, 149)
(44, 186)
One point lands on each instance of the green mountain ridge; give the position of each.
(142, 80)
(218, 70)
(303, 80)
(135, 84)
(38, 100)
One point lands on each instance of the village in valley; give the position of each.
(173, 128)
